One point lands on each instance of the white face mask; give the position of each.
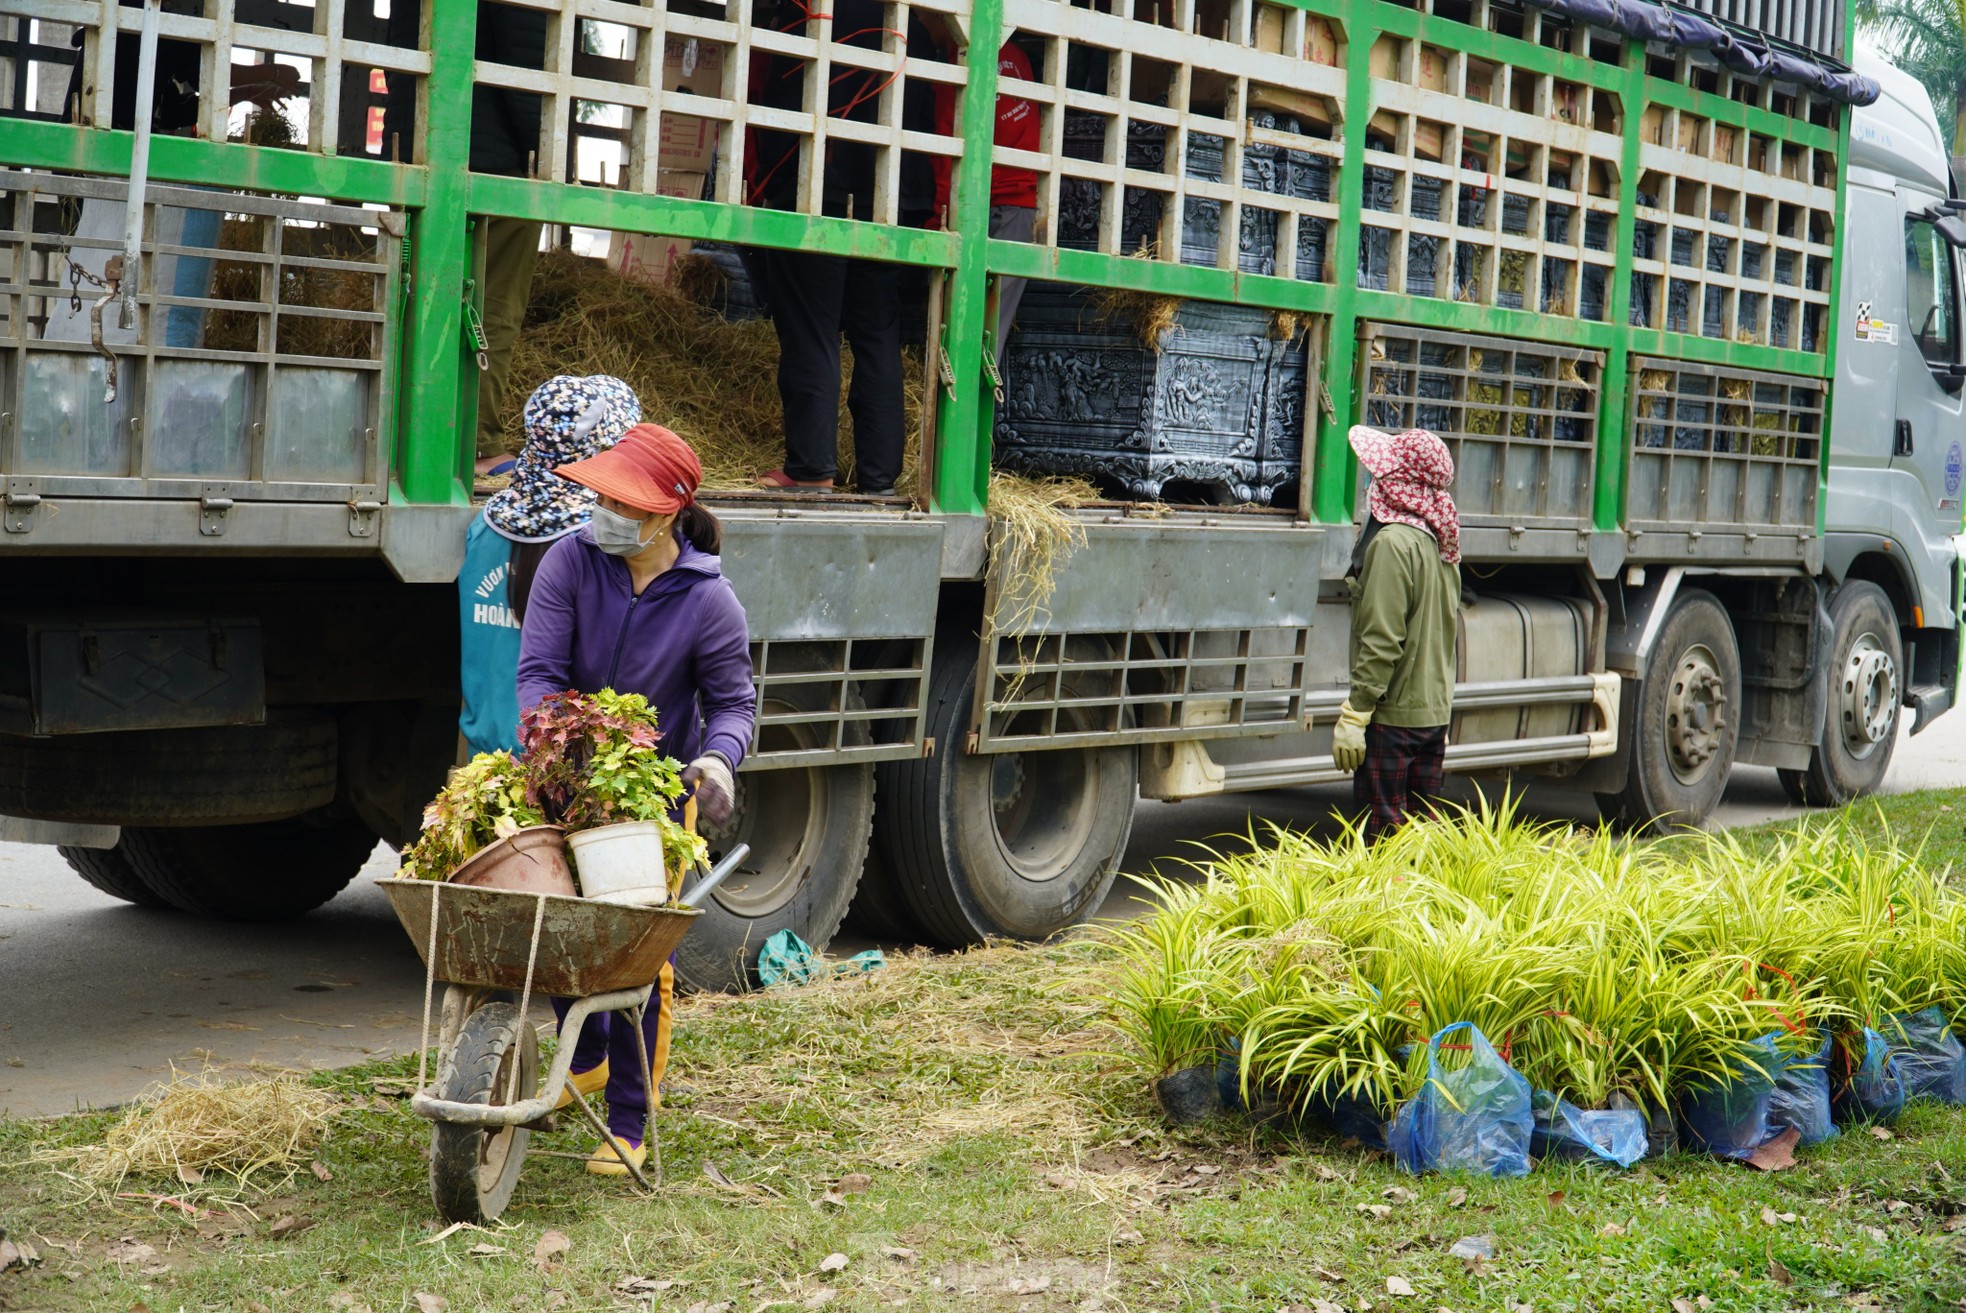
(617, 535)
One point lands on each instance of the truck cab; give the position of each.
(1898, 442)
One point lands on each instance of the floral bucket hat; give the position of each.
(567, 418)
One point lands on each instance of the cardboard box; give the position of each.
(1433, 69)
(1269, 29)
(1289, 100)
(1320, 41)
(1384, 62)
(652, 258)
(1652, 125)
(686, 142)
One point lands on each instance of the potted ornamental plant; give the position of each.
(594, 766)
(482, 829)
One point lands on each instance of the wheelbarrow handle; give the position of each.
(708, 884)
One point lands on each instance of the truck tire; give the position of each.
(808, 827)
(474, 1169)
(1685, 729)
(269, 871)
(1013, 845)
(109, 870)
(217, 775)
(1860, 730)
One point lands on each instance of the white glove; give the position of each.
(1348, 738)
(716, 790)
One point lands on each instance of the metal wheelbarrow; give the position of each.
(485, 943)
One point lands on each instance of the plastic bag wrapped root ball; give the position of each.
(1800, 1099)
(1475, 1118)
(1730, 1120)
(1931, 1060)
(1866, 1088)
(1611, 1137)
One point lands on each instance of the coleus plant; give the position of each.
(594, 759)
(483, 801)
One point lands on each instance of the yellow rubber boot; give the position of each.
(587, 1082)
(603, 1162)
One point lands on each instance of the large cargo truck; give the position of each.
(1680, 291)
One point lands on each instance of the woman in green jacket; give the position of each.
(1406, 589)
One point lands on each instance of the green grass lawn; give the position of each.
(1012, 1161)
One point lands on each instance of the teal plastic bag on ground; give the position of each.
(1611, 1137)
(1872, 1091)
(787, 959)
(1800, 1098)
(1475, 1119)
(1931, 1060)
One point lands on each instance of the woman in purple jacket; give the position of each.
(636, 602)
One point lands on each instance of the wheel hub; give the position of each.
(1868, 695)
(1006, 782)
(1696, 713)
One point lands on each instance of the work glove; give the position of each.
(1348, 738)
(709, 775)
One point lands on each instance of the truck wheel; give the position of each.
(1015, 844)
(1685, 730)
(270, 871)
(808, 827)
(1860, 731)
(473, 1169)
(109, 870)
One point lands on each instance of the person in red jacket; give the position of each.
(1013, 191)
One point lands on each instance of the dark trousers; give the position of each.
(814, 299)
(1402, 772)
(609, 1036)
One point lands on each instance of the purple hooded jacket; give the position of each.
(682, 644)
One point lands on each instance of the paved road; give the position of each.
(99, 999)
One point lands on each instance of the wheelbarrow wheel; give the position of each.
(474, 1169)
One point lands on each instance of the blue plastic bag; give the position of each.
(1931, 1060)
(1731, 1120)
(1476, 1119)
(1800, 1098)
(1613, 1137)
(1873, 1091)
(787, 959)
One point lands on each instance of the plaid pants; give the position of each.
(1403, 769)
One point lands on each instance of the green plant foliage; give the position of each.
(1598, 966)
(593, 759)
(483, 801)
(590, 759)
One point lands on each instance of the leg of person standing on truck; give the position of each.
(814, 298)
(1405, 581)
(511, 255)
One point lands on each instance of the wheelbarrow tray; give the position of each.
(484, 938)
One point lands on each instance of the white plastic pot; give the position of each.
(621, 864)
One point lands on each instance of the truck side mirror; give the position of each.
(1948, 225)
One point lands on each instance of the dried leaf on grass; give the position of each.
(552, 1245)
(200, 1123)
(1776, 1155)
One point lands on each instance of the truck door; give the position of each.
(1929, 438)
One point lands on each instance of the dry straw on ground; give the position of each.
(713, 381)
(256, 1132)
(928, 1050)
